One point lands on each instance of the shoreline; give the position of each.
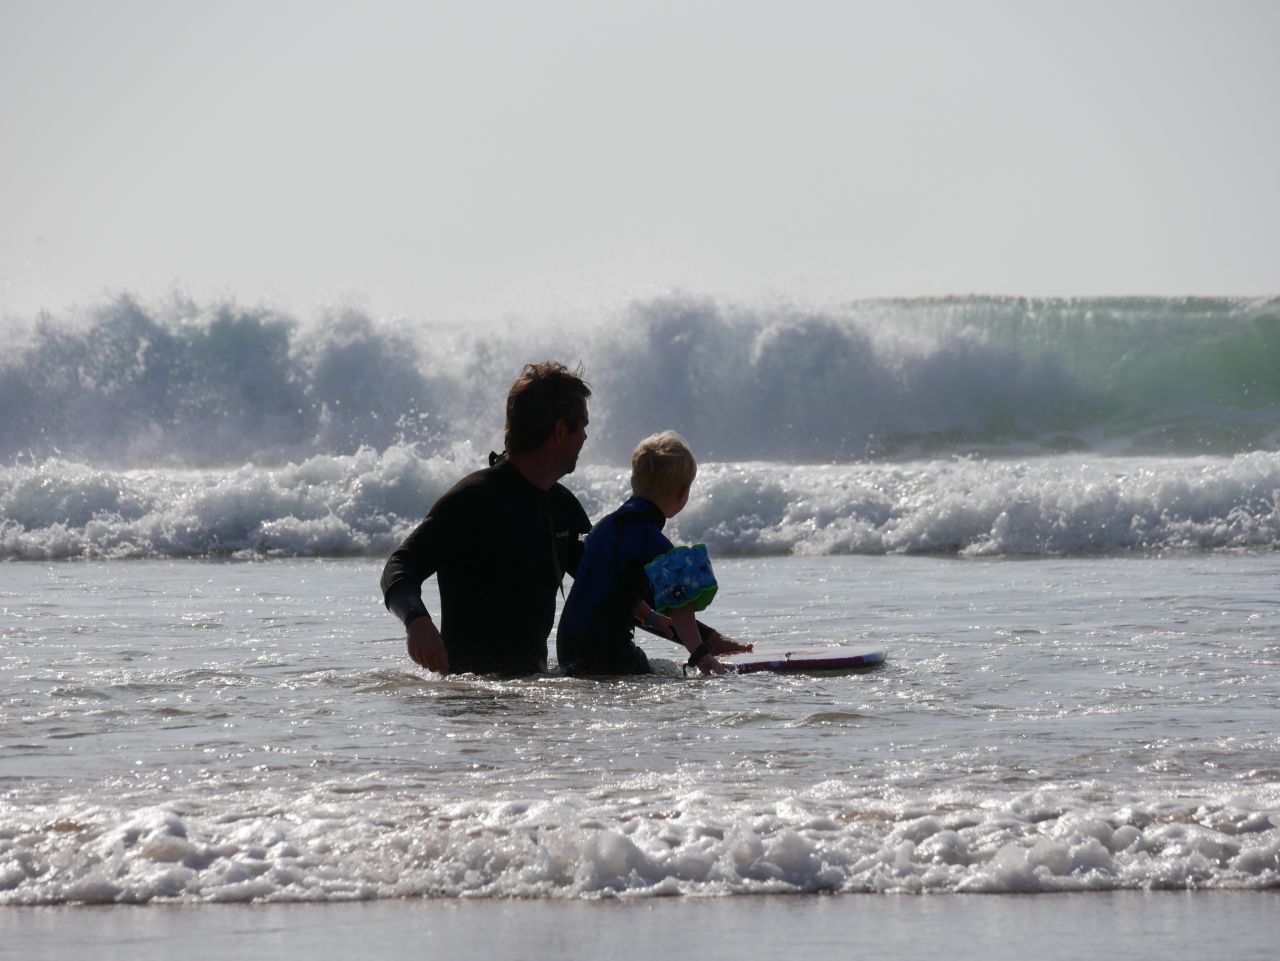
(1122, 924)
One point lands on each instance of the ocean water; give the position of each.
(210, 731)
(1059, 518)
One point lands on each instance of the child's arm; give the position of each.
(687, 631)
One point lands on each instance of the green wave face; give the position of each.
(130, 385)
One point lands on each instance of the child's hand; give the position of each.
(664, 626)
(709, 665)
(727, 645)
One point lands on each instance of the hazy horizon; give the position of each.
(479, 162)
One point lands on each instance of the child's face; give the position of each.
(678, 501)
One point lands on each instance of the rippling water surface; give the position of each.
(188, 730)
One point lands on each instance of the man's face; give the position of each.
(571, 444)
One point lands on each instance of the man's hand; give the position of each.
(426, 646)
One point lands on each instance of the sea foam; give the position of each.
(365, 503)
(321, 847)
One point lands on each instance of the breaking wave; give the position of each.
(127, 385)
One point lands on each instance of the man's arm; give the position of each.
(408, 566)
(721, 643)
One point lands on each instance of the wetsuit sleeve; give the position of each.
(580, 526)
(417, 559)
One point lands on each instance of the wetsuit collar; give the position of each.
(502, 462)
(636, 504)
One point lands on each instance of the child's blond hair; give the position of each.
(662, 464)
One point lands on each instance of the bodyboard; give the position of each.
(827, 660)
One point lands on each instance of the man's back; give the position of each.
(499, 548)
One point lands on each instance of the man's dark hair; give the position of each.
(543, 394)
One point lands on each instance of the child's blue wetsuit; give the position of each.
(597, 626)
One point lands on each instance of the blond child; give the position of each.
(630, 573)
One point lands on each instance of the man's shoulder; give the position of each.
(565, 502)
(559, 492)
(476, 488)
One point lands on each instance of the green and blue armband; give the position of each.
(682, 576)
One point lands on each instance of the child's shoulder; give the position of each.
(638, 512)
(638, 518)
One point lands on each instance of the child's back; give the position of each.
(612, 588)
(597, 626)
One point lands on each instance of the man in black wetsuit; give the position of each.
(500, 541)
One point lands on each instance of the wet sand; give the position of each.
(1221, 925)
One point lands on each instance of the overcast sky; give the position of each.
(473, 160)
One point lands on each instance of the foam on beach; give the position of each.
(334, 845)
